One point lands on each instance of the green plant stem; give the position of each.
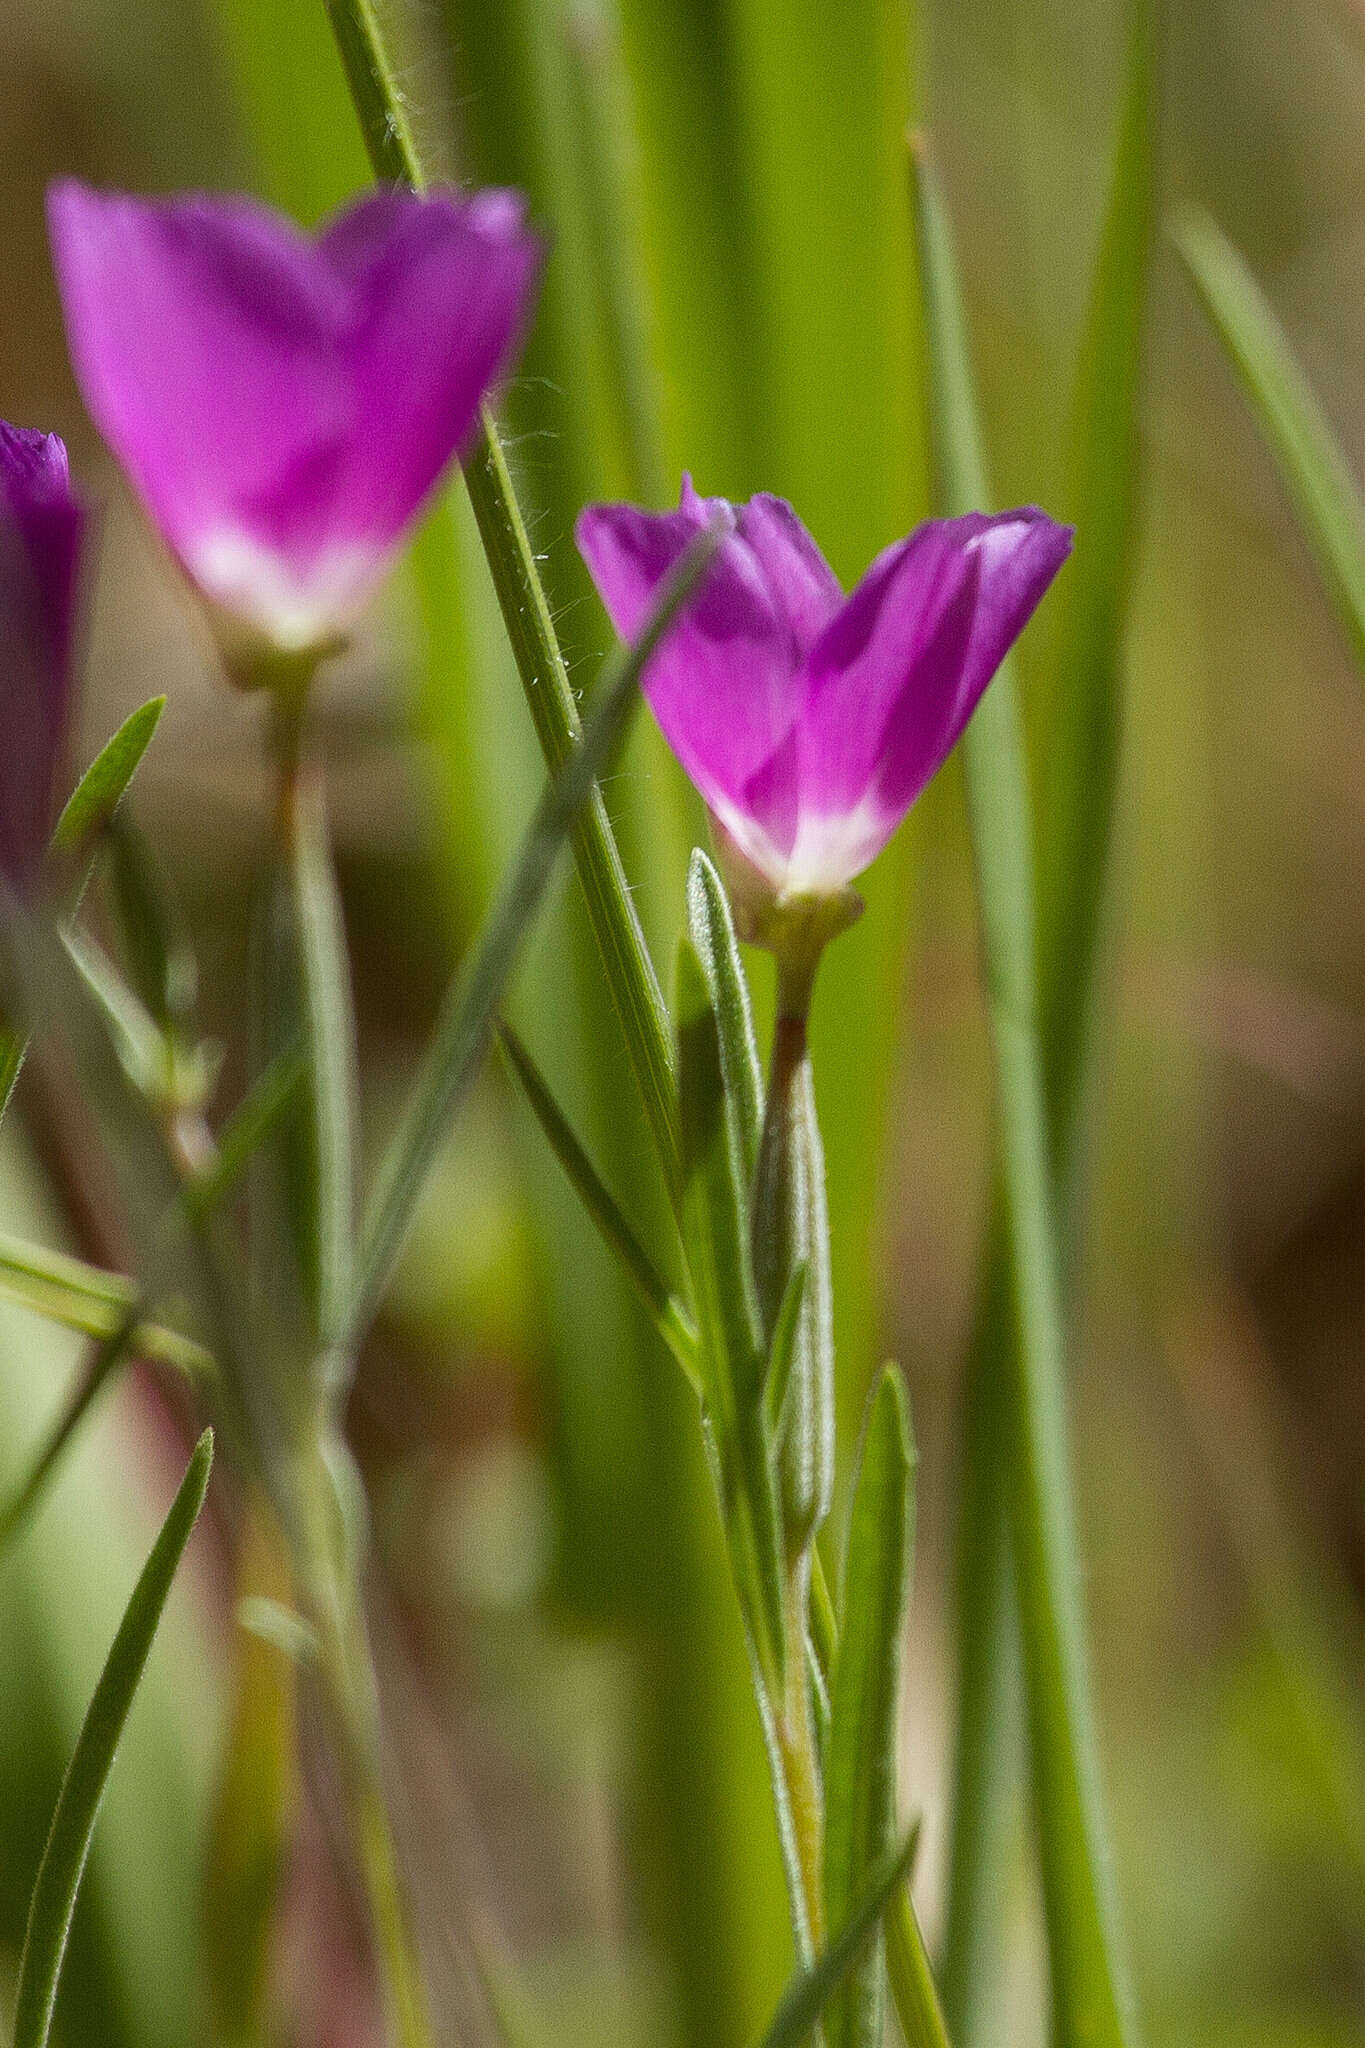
(794, 1731)
(526, 614)
(346, 1673)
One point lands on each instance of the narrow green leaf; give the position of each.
(530, 629)
(468, 1014)
(100, 790)
(810, 1991)
(73, 1823)
(667, 1313)
(86, 1298)
(1076, 822)
(783, 1349)
(248, 1128)
(155, 953)
(713, 935)
(913, 1990)
(860, 1763)
(1091, 2002)
(1307, 454)
(1103, 498)
(715, 1229)
(111, 1353)
(142, 1049)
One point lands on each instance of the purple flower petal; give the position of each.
(283, 405)
(41, 526)
(723, 685)
(810, 723)
(898, 672)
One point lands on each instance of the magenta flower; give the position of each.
(810, 721)
(41, 526)
(283, 404)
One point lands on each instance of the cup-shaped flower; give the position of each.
(284, 403)
(41, 527)
(808, 720)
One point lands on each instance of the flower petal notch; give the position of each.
(42, 525)
(282, 403)
(810, 721)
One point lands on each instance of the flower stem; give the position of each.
(351, 1705)
(795, 1733)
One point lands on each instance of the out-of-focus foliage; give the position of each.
(569, 1709)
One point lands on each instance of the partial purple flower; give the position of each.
(41, 526)
(284, 404)
(810, 721)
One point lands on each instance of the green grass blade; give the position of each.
(102, 787)
(1089, 1976)
(860, 1761)
(111, 1353)
(73, 1823)
(811, 1990)
(1300, 438)
(468, 1014)
(526, 615)
(713, 935)
(250, 1125)
(1103, 501)
(915, 1995)
(666, 1312)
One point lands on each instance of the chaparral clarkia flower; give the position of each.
(284, 403)
(811, 721)
(41, 525)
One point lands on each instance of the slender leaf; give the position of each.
(247, 1129)
(860, 1763)
(467, 1017)
(783, 1349)
(73, 1823)
(1091, 2002)
(158, 961)
(666, 1311)
(914, 1993)
(86, 1298)
(715, 1226)
(1103, 500)
(810, 1991)
(101, 789)
(713, 935)
(526, 614)
(1300, 437)
(109, 1355)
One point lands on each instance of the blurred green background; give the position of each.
(575, 1756)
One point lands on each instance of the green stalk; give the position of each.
(1090, 1998)
(526, 614)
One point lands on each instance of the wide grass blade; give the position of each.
(865, 1689)
(470, 1009)
(666, 1311)
(1306, 452)
(811, 1990)
(73, 1823)
(1090, 1997)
